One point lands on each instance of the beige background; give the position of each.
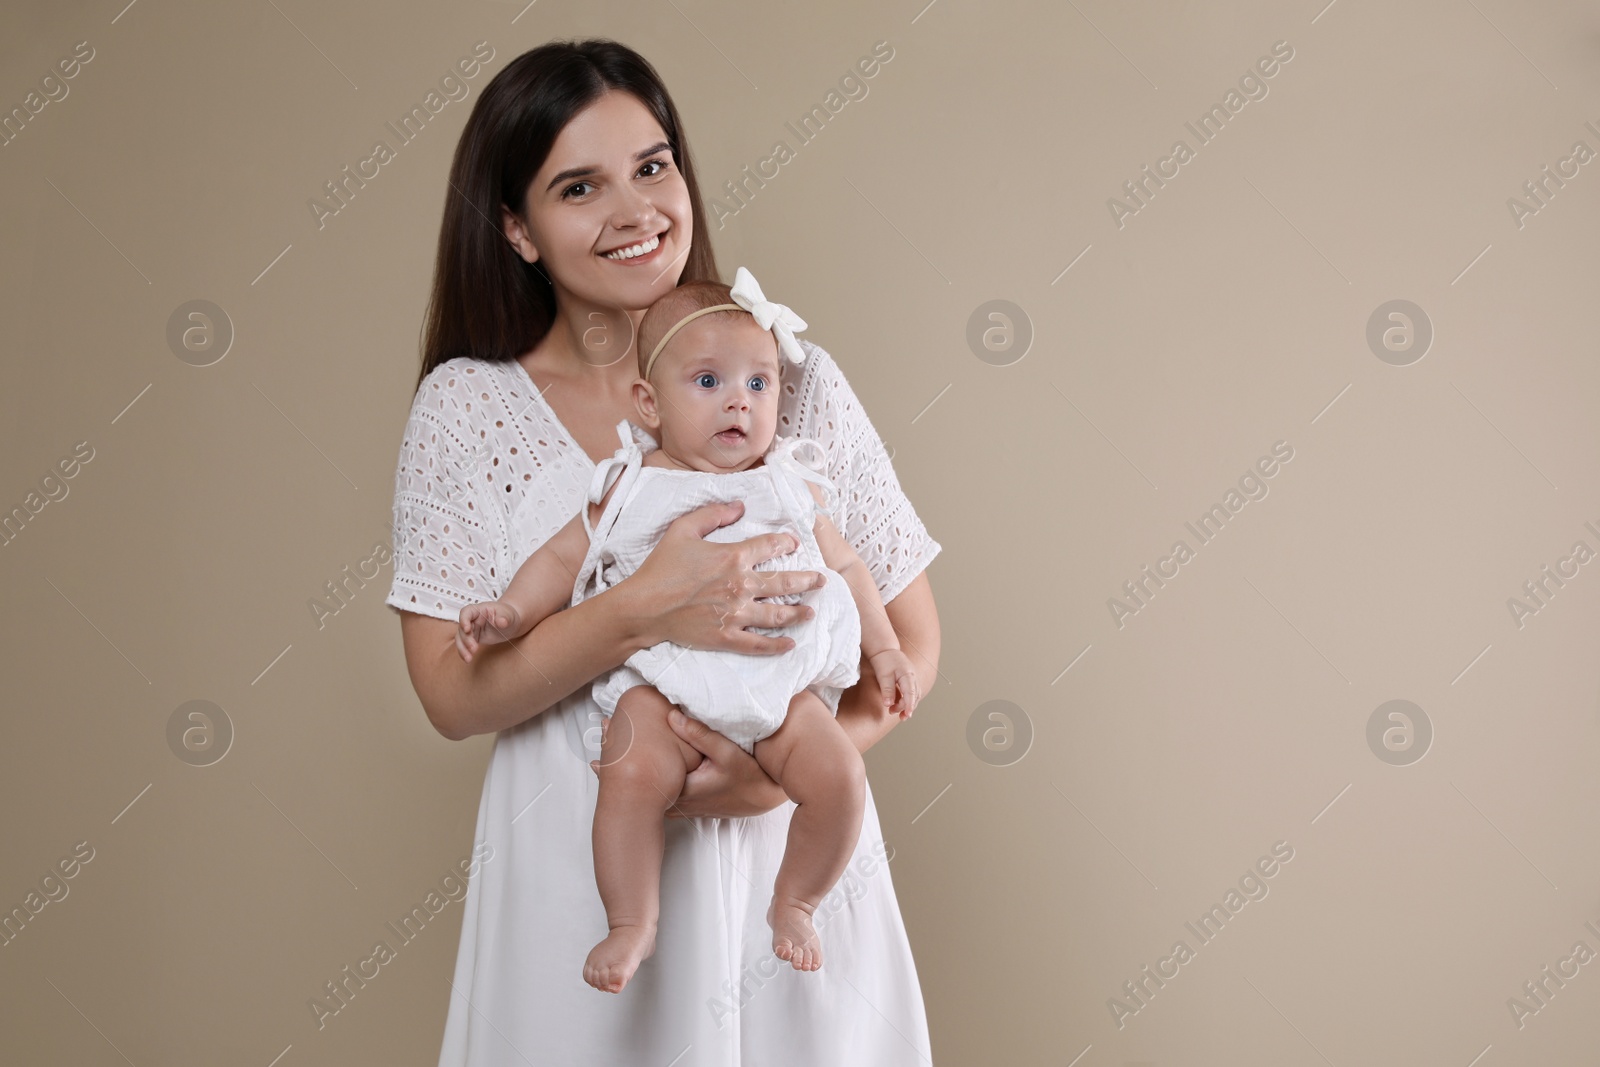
(1230, 313)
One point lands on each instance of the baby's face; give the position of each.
(716, 394)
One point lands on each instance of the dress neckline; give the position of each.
(556, 419)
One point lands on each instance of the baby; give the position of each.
(708, 390)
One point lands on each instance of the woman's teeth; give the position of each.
(633, 251)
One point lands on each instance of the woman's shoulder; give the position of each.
(818, 401)
(467, 391)
(800, 384)
(461, 373)
(818, 362)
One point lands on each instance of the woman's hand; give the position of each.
(728, 784)
(702, 594)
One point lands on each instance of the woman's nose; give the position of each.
(633, 209)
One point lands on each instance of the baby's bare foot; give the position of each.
(793, 937)
(612, 962)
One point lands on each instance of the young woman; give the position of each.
(572, 206)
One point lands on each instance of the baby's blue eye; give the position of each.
(705, 375)
(758, 383)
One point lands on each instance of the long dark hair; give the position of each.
(487, 301)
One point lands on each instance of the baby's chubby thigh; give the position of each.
(812, 757)
(640, 753)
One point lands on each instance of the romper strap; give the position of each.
(786, 456)
(621, 468)
(608, 470)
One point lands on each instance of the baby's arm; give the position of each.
(893, 668)
(541, 587)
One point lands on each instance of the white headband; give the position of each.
(777, 318)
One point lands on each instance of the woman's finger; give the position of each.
(716, 748)
(756, 644)
(783, 583)
(777, 616)
(763, 547)
(707, 517)
(697, 735)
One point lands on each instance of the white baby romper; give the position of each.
(742, 696)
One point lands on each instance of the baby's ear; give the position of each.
(644, 401)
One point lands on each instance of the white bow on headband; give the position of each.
(778, 318)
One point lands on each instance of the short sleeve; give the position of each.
(444, 557)
(873, 513)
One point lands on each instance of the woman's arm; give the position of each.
(877, 629)
(510, 682)
(883, 528)
(541, 587)
(693, 592)
(916, 624)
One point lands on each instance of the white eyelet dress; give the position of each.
(744, 697)
(486, 474)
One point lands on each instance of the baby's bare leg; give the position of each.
(817, 764)
(642, 767)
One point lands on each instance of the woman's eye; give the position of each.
(661, 164)
(568, 191)
(707, 379)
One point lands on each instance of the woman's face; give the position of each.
(609, 217)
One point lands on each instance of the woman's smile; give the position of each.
(646, 251)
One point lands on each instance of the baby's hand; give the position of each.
(897, 681)
(488, 623)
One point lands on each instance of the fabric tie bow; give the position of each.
(778, 318)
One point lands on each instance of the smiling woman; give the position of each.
(583, 225)
(577, 152)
